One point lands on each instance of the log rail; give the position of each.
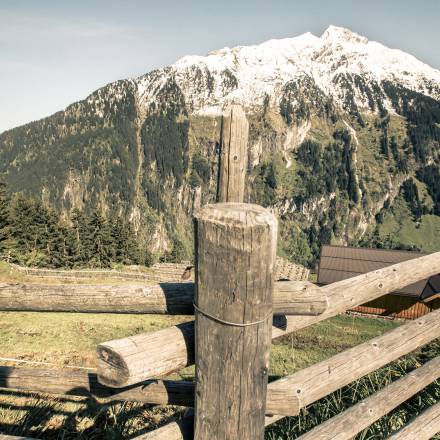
(285, 396)
(290, 298)
(172, 348)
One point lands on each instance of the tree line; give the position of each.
(34, 234)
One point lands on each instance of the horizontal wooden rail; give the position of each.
(78, 383)
(423, 427)
(178, 430)
(156, 273)
(14, 437)
(182, 429)
(346, 294)
(290, 297)
(155, 392)
(319, 380)
(172, 298)
(346, 425)
(123, 361)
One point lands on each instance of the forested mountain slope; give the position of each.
(344, 144)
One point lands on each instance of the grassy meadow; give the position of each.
(64, 339)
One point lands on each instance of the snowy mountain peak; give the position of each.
(249, 74)
(339, 34)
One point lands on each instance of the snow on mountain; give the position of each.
(249, 74)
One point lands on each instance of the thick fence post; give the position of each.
(235, 259)
(233, 155)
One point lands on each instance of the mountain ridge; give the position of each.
(337, 124)
(302, 45)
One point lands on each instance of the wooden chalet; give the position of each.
(339, 262)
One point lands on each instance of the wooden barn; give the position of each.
(339, 262)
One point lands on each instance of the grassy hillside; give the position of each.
(398, 227)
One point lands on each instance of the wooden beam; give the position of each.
(298, 298)
(176, 430)
(347, 424)
(346, 294)
(423, 427)
(155, 392)
(172, 298)
(290, 297)
(182, 429)
(317, 381)
(14, 437)
(321, 379)
(78, 383)
(173, 348)
(233, 155)
(235, 263)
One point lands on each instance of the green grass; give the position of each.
(348, 396)
(314, 344)
(400, 226)
(70, 339)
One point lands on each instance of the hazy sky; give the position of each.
(53, 53)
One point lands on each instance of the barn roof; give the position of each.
(339, 263)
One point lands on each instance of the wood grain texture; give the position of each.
(317, 381)
(78, 383)
(156, 392)
(290, 297)
(235, 262)
(170, 351)
(175, 430)
(170, 298)
(423, 427)
(131, 360)
(346, 425)
(233, 155)
(14, 437)
(182, 429)
(299, 298)
(346, 294)
(321, 379)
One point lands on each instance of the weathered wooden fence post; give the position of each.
(233, 155)
(235, 259)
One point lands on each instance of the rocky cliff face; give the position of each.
(337, 124)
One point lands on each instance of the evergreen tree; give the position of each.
(99, 239)
(4, 217)
(22, 228)
(58, 246)
(411, 195)
(125, 246)
(384, 145)
(178, 253)
(33, 234)
(297, 247)
(394, 148)
(80, 246)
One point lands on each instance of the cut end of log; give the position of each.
(112, 369)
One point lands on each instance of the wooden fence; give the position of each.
(239, 307)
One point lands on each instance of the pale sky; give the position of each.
(53, 53)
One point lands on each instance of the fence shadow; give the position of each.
(47, 418)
